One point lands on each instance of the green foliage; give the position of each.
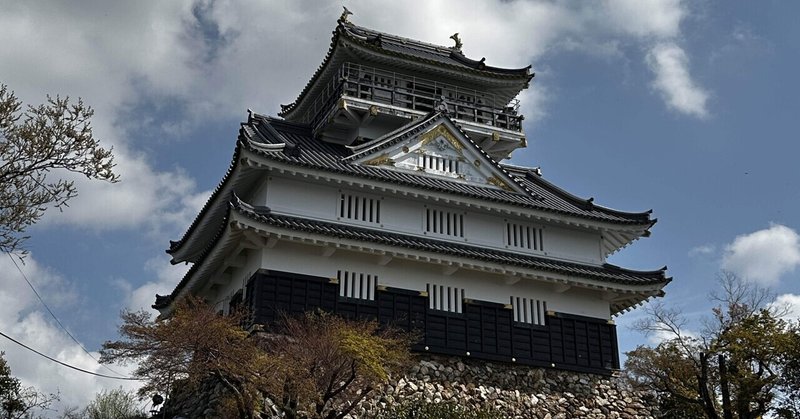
(194, 345)
(324, 365)
(745, 364)
(668, 371)
(17, 401)
(319, 366)
(114, 404)
(421, 409)
(56, 136)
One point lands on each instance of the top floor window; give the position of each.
(356, 207)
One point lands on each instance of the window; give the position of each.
(359, 208)
(357, 285)
(439, 164)
(529, 311)
(524, 237)
(445, 298)
(444, 222)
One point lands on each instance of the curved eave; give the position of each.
(641, 218)
(391, 184)
(371, 36)
(344, 44)
(208, 218)
(465, 64)
(632, 286)
(606, 273)
(190, 246)
(211, 256)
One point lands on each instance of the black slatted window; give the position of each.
(523, 237)
(359, 208)
(529, 310)
(444, 222)
(445, 298)
(357, 285)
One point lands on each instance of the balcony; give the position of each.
(412, 93)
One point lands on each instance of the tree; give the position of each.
(55, 136)
(743, 364)
(16, 400)
(324, 365)
(113, 404)
(194, 346)
(317, 366)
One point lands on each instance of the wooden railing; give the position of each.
(415, 93)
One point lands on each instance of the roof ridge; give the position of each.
(584, 203)
(347, 29)
(397, 133)
(374, 236)
(415, 42)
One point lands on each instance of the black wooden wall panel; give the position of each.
(484, 330)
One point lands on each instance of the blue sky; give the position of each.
(688, 108)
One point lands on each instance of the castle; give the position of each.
(380, 193)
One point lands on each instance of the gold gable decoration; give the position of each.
(382, 160)
(442, 131)
(494, 180)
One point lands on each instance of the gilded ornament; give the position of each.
(493, 180)
(373, 110)
(382, 160)
(442, 131)
(495, 136)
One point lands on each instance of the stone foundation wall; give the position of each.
(516, 391)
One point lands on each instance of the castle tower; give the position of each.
(380, 193)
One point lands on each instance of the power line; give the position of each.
(64, 363)
(25, 277)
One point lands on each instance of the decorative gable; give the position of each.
(435, 146)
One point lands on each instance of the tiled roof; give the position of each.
(310, 152)
(424, 51)
(260, 135)
(607, 273)
(392, 45)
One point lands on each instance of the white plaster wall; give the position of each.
(484, 229)
(260, 194)
(406, 215)
(304, 198)
(414, 276)
(401, 215)
(238, 279)
(572, 244)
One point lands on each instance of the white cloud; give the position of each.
(702, 250)
(658, 337)
(670, 65)
(647, 18)
(24, 319)
(215, 59)
(790, 303)
(765, 255)
(167, 277)
(144, 197)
